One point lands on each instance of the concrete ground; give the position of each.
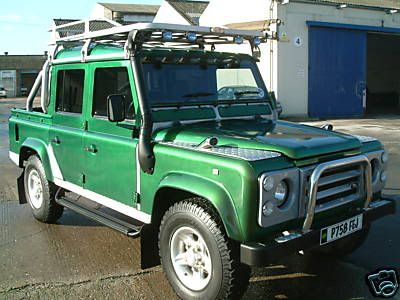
(78, 258)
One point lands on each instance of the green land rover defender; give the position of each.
(180, 144)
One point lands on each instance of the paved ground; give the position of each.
(77, 258)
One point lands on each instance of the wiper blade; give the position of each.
(247, 93)
(199, 94)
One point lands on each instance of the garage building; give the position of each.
(18, 72)
(334, 58)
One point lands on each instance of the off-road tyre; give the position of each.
(47, 210)
(229, 278)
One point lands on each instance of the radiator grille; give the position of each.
(338, 186)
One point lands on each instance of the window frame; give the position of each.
(92, 107)
(57, 74)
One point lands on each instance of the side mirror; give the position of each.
(116, 108)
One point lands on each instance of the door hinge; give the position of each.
(85, 125)
(83, 178)
(136, 200)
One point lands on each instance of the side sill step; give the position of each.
(126, 228)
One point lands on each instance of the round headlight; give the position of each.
(385, 157)
(268, 183)
(268, 208)
(281, 193)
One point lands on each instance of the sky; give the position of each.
(24, 24)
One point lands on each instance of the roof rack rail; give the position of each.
(145, 35)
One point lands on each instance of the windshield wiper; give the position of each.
(246, 93)
(199, 94)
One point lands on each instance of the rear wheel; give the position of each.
(40, 193)
(198, 259)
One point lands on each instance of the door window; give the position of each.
(70, 91)
(111, 81)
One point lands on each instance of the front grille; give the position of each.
(338, 186)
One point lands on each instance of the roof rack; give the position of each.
(145, 35)
(134, 37)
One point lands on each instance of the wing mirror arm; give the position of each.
(328, 127)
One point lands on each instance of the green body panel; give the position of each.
(97, 53)
(229, 192)
(40, 148)
(293, 140)
(68, 129)
(111, 170)
(208, 189)
(229, 183)
(30, 131)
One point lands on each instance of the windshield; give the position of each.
(202, 82)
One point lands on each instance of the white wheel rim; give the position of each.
(35, 189)
(190, 258)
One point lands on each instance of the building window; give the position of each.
(70, 91)
(111, 81)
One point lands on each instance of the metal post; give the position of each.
(45, 86)
(33, 92)
(314, 180)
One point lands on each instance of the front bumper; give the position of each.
(261, 254)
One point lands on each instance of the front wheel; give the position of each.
(198, 259)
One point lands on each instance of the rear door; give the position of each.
(110, 148)
(337, 72)
(66, 133)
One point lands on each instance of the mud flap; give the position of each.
(21, 189)
(149, 247)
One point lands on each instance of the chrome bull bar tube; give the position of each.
(320, 169)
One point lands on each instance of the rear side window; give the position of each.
(70, 91)
(111, 81)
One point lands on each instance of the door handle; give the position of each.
(55, 140)
(91, 149)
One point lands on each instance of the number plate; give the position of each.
(339, 230)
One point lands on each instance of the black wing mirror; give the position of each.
(116, 108)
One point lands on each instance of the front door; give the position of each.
(66, 133)
(110, 148)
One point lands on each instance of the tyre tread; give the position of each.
(236, 275)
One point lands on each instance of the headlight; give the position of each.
(268, 183)
(281, 193)
(268, 208)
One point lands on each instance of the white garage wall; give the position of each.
(223, 12)
(292, 73)
(167, 14)
(284, 64)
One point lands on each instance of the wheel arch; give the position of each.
(177, 187)
(32, 146)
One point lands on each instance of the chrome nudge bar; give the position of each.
(320, 169)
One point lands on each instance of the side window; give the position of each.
(70, 91)
(109, 81)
